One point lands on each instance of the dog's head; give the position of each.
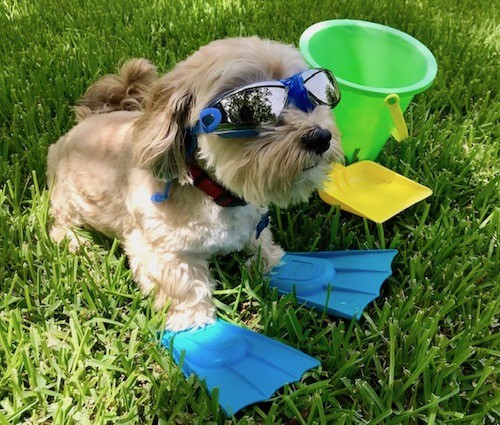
(282, 164)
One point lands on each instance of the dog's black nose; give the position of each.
(317, 140)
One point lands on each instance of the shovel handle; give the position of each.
(401, 131)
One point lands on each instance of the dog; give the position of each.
(133, 139)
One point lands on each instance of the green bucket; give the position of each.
(379, 69)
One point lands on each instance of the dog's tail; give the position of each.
(125, 91)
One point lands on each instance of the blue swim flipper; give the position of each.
(342, 282)
(245, 366)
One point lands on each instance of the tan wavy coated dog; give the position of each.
(129, 141)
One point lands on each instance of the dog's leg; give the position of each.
(58, 232)
(270, 252)
(66, 220)
(62, 200)
(182, 279)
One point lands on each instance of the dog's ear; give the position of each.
(159, 134)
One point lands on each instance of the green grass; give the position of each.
(78, 343)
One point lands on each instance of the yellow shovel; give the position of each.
(370, 190)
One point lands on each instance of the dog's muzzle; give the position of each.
(317, 141)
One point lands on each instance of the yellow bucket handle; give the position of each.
(401, 131)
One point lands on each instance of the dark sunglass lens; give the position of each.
(254, 106)
(323, 87)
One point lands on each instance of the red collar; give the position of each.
(218, 193)
(202, 181)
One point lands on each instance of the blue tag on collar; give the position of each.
(159, 196)
(262, 224)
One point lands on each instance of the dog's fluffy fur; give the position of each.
(130, 139)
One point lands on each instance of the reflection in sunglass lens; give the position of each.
(254, 106)
(323, 87)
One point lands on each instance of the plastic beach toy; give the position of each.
(372, 191)
(379, 69)
(245, 366)
(342, 283)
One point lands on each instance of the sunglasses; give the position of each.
(244, 112)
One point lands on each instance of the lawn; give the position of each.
(78, 342)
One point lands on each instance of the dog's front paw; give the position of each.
(61, 233)
(265, 250)
(191, 318)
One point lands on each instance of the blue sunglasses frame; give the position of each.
(296, 94)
